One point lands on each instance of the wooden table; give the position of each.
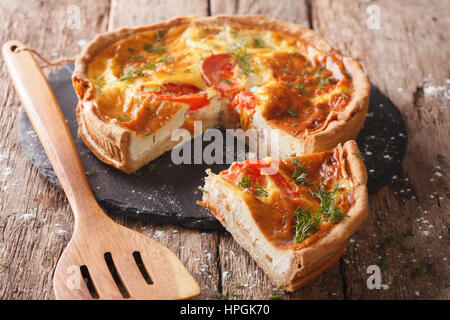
(406, 54)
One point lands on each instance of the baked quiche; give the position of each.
(294, 216)
(136, 86)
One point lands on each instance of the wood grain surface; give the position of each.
(407, 232)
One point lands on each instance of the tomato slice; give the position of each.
(219, 72)
(255, 171)
(181, 92)
(244, 100)
(251, 169)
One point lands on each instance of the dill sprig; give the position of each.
(328, 208)
(160, 34)
(307, 222)
(304, 223)
(347, 75)
(300, 172)
(258, 42)
(292, 112)
(129, 75)
(157, 49)
(323, 81)
(243, 58)
(246, 183)
(301, 87)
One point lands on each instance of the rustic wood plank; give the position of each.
(288, 10)
(407, 232)
(35, 219)
(142, 12)
(197, 250)
(246, 275)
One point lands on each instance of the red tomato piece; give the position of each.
(244, 100)
(181, 92)
(218, 71)
(255, 171)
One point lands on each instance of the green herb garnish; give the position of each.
(246, 183)
(319, 70)
(301, 87)
(324, 81)
(229, 272)
(259, 191)
(304, 223)
(223, 297)
(293, 112)
(227, 82)
(344, 95)
(347, 75)
(328, 209)
(99, 82)
(123, 117)
(358, 154)
(243, 58)
(165, 59)
(127, 76)
(160, 34)
(237, 285)
(136, 57)
(284, 218)
(237, 295)
(146, 133)
(157, 49)
(149, 66)
(91, 172)
(300, 172)
(258, 42)
(275, 296)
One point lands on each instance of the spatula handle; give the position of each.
(48, 121)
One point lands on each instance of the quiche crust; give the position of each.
(290, 267)
(112, 143)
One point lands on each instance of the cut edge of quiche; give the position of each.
(295, 223)
(122, 140)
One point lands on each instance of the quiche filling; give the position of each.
(294, 85)
(298, 203)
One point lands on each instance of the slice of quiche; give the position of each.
(294, 216)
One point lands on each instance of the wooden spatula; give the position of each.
(103, 260)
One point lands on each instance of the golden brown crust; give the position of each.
(113, 146)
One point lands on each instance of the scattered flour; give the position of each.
(5, 173)
(431, 89)
(62, 232)
(27, 217)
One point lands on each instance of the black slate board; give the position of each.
(168, 195)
